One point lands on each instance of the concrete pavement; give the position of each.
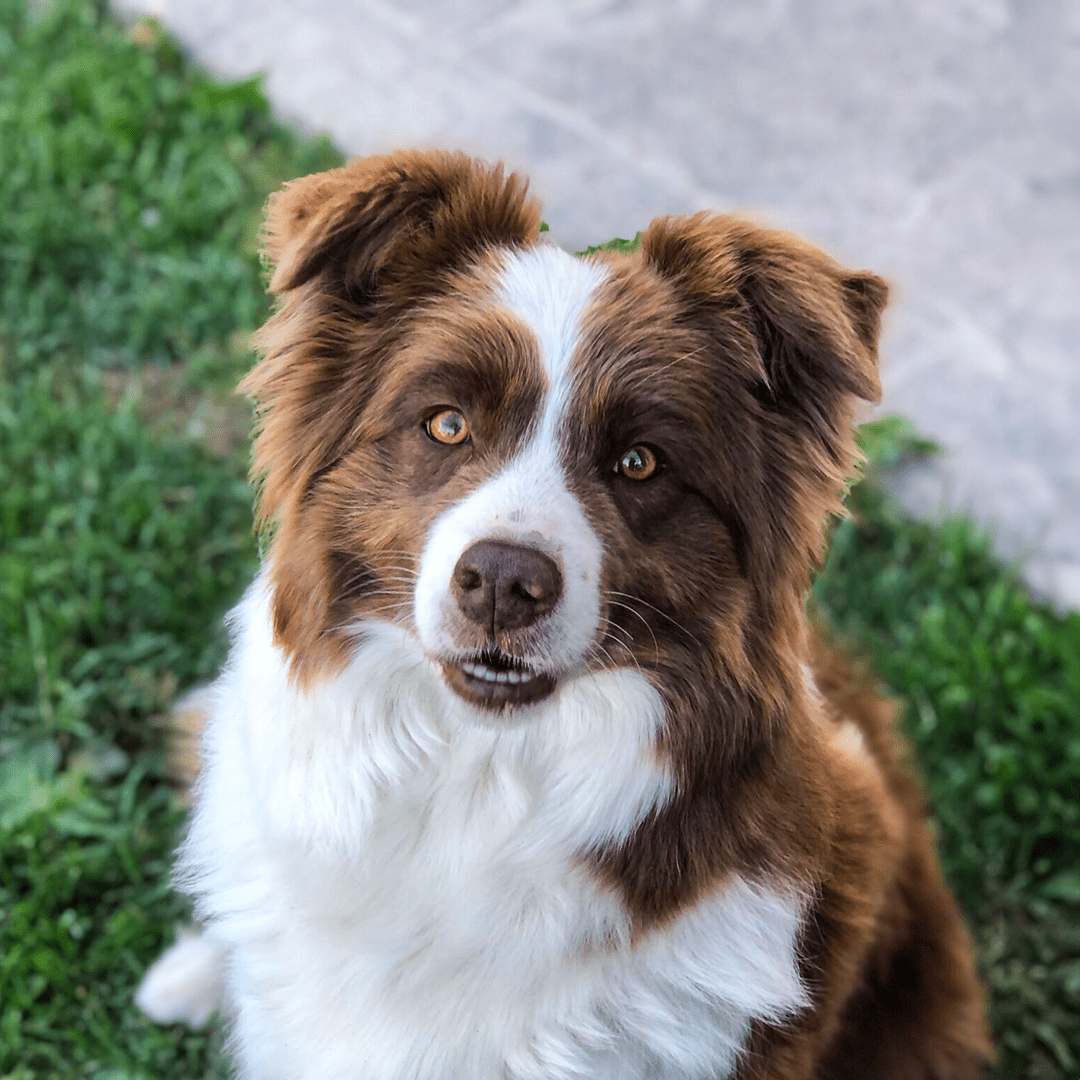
(935, 141)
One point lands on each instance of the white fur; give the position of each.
(551, 291)
(528, 502)
(401, 893)
(184, 985)
(401, 882)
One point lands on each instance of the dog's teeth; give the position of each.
(512, 676)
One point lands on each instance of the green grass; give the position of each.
(130, 188)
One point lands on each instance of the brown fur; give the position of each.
(741, 352)
(917, 1010)
(353, 251)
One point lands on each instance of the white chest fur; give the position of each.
(401, 893)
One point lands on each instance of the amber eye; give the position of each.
(638, 463)
(448, 426)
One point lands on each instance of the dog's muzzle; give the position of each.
(500, 587)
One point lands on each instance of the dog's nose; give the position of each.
(505, 586)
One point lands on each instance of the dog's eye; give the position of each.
(638, 463)
(448, 426)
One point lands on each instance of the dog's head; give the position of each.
(543, 465)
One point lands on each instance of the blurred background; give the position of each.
(936, 142)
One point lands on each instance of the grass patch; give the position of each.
(130, 188)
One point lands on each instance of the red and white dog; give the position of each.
(525, 764)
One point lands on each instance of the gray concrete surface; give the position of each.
(935, 141)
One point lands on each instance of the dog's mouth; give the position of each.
(494, 680)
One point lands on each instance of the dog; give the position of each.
(526, 763)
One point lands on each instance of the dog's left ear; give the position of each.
(810, 329)
(815, 322)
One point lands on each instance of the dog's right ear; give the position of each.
(381, 222)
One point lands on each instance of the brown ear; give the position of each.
(391, 218)
(816, 323)
(351, 251)
(813, 328)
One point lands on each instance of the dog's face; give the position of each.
(543, 465)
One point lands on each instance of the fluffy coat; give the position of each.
(649, 828)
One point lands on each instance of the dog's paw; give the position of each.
(185, 984)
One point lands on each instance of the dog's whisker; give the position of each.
(609, 626)
(392, 602)
(610, 659)
(408, 571)
(626, 646)
(652, 607)
(409, 585)
(633, 611)
(678, 360)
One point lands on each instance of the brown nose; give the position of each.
(505, 586)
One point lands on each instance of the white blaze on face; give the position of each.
(528, 501)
